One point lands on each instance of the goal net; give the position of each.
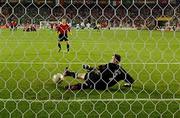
(145, 33)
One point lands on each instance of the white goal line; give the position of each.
(90, 100)
(60, 63)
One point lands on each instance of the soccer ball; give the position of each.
(57, 78)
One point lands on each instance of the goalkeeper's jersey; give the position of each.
(112, 73)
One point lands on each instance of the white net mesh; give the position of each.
(144, 32)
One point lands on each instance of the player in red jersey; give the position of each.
(63, 29)
(13, 25)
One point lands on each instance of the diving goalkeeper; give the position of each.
(101, 77)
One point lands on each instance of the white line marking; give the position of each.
(89, 100)
(59, 63)
(96, 42)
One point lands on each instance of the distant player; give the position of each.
(77, 26)
(51, 25)
(88, 25)
(101, 77)
(63, 29)
(33, 27)
(13, 25)
(82, 25)
(98, 26)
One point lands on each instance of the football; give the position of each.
(57, 78)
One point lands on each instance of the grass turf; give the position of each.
(30, 59)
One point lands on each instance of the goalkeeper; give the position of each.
(101, 77)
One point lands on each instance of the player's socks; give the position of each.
(68, 47)
(69, 73)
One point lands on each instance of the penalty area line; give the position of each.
(90, 100)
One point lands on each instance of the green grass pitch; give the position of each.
(28, 60)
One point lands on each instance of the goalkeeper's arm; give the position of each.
(89, 68)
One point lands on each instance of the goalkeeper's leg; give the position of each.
(76, 76)
(90, 80)
(78, 86)
(73, 74)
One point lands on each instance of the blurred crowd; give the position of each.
(114, 16)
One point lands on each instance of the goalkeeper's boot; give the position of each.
(69, 73)
(66, 72)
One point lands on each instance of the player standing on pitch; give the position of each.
(63, 29)
(101, 77)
